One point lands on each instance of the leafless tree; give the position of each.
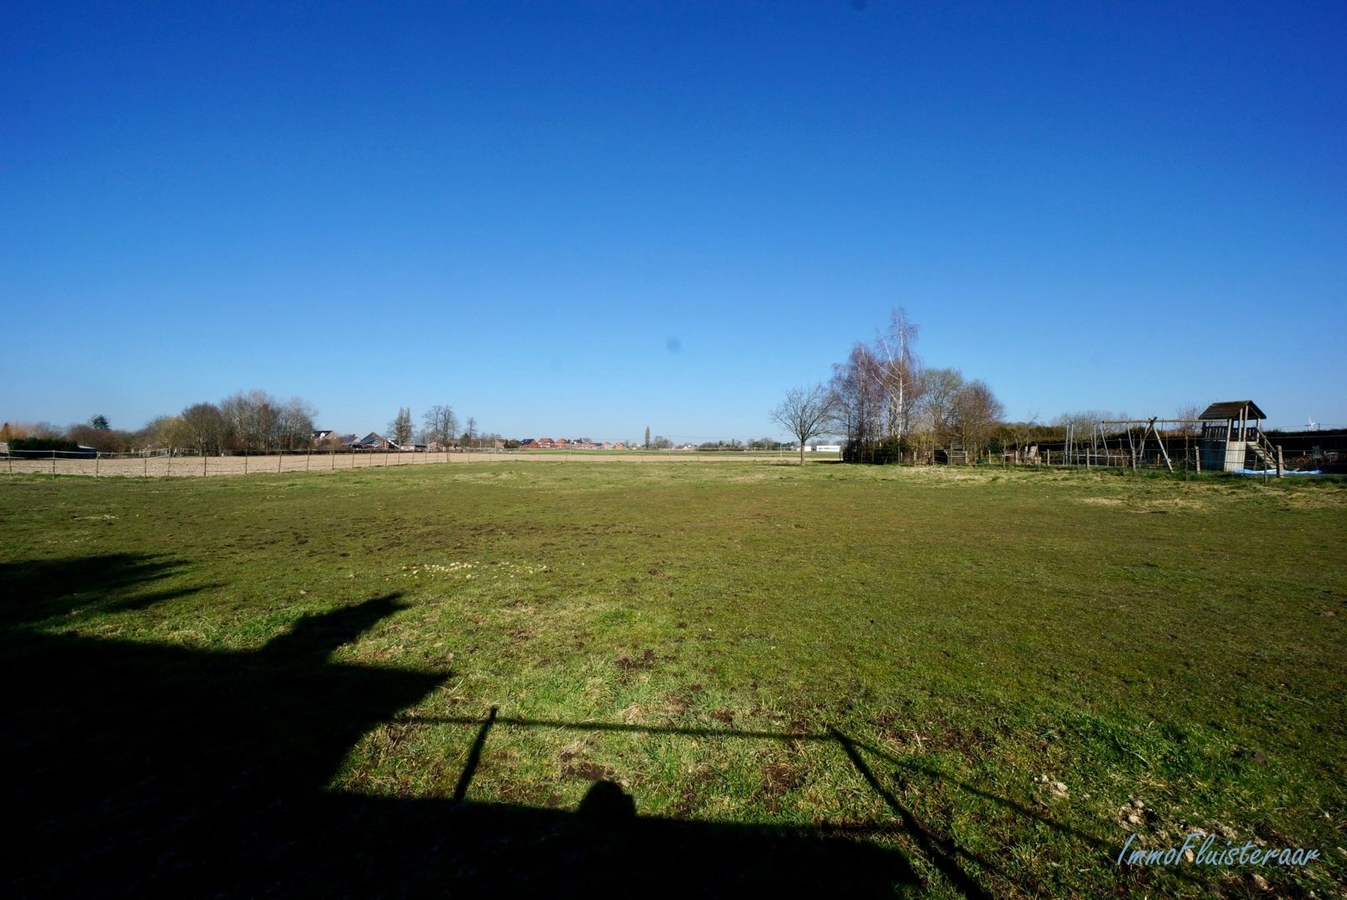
(857, 403)
(440, 425)
(940, 390)
(897, 371)
(400, 429)
(206, 426)
(1187, 416)
(251, 419)
(806, 413)
(976, 413)
(294, 424)
(471, 431)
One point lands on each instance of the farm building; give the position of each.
(1232, 431)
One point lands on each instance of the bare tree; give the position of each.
(206, 426)
(897, 372)
(805, 413)
(400, 429)
(1187, 416)
(975, 414)
(252, 419)
(471, 431)
(294, 424)
(858, 399)
(440, 425)
(940, 392)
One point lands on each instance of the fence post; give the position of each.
(308, 459)
(53, 464)
(170, 460)
(204, 457)
(280, 455)
(146, 460)
(96, 455)
(245, 460)
(333, 454)
(1280, 469)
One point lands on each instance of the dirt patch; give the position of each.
(780, 778)
(724, 716)
(639, 663)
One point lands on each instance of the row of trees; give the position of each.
(246, 421)
(887, 405)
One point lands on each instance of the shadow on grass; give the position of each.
(41, 589)
(138, 768)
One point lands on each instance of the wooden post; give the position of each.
(97, 454)
(280, 455)
(203, 462)
(53, 464)
(245, 460)
(146, 460)
(1197, 457)
(333, 453)
(170, 461)
(308, 459)
(1280, 468)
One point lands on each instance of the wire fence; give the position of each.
(162, 463)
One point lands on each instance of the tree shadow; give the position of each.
(34, 590)
(141, 768)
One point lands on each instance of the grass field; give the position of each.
(839, 678)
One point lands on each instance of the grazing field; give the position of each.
(834, 679)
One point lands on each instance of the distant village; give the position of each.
(377, 441)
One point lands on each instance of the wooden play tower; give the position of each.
(1232, 432)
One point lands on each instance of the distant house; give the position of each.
(322, 435)
(374, 441)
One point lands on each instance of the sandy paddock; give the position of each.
(318, 463)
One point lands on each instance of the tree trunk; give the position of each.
(802, 451)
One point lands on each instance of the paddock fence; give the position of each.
(160, 463)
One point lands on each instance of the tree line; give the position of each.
(246, 421)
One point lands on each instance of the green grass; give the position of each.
(966, 633)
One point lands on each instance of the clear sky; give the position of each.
(573, 219)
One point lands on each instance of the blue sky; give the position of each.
(582, 219)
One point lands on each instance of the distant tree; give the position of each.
(472, 431)
(898, 372)
(400, 429)
(294, 424)
(939, 392)
(440, 425)
(806, 413)
(100, 422)
(169, 433)
(661, 442)
(252, 420)
(975, 415)
(647, 437)
(206, 425)
(1187, 416)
